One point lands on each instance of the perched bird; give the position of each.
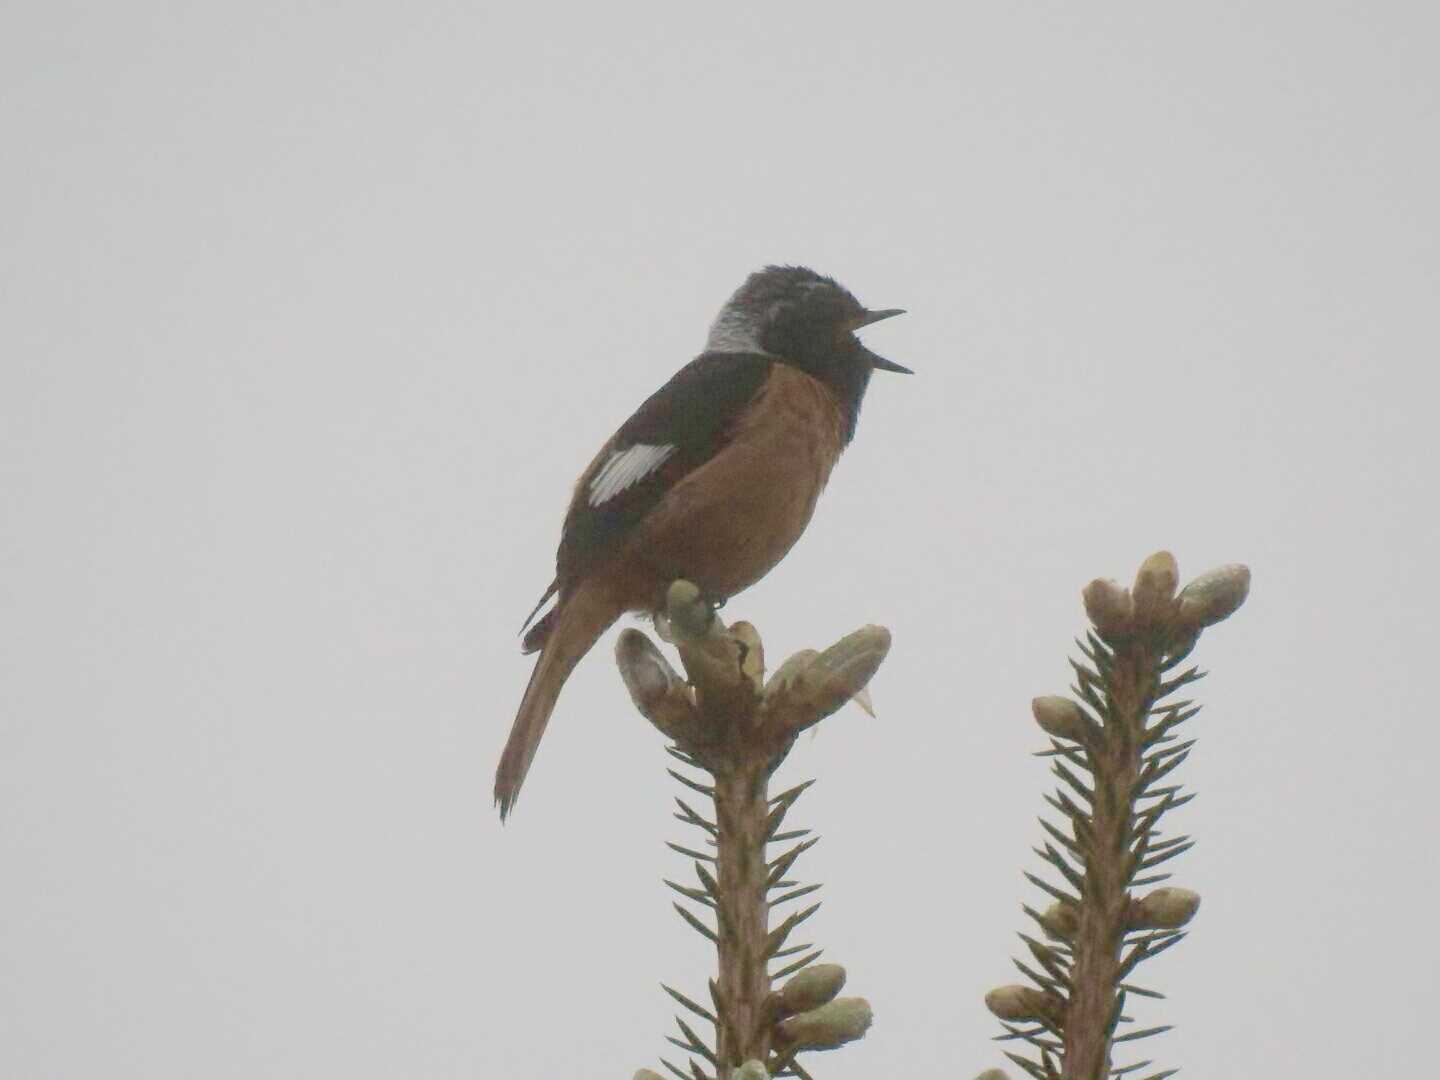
(713, 479)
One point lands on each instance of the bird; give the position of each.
(712, 479)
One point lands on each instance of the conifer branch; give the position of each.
(726, 720)
(1111, 747)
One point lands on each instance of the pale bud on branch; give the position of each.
(1155, 584)
(811, 988)
(1061, 717)
(656, 689)
(834, 1024)
(1017, 1002)
(1061, 920)
(807, 689)
(1214, 596)
(1110, 607)
(1162, 909)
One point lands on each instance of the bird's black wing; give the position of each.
(678, 428)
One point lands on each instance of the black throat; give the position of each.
(847, 378)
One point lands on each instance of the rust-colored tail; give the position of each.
(577, 624)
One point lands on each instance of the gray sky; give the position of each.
(309, 317)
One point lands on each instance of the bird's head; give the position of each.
(803, 318)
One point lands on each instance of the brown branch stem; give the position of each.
(741, 810)
(1115, 760)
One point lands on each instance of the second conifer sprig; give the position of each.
(1114, 747)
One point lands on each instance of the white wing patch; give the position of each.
(627, 468)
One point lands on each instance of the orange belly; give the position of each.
(726, 525)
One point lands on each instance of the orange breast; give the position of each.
(726, 525)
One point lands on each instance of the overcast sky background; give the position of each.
(311, 314)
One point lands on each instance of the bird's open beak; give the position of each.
(879, 361)
(875, 316)
(889, 365)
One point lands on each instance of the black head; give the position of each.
(797, 315)
(807, 320)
